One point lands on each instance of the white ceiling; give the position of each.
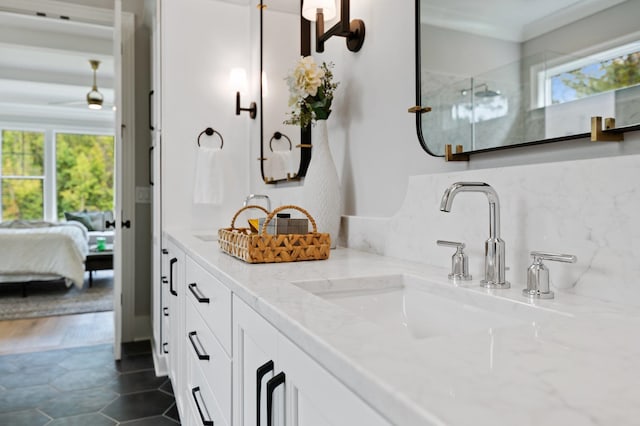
(513, 20)
(45, 71)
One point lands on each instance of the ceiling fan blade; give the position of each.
(68, 103)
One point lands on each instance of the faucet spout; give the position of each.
(257, 196)
(494, 246)
(492, 196)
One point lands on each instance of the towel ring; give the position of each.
(209, 132)
(277, 136)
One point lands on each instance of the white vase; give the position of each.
(321, 185)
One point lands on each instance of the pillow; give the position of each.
(97, 220)
(81, 217)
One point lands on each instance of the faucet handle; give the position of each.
(538, 274)
(445, 243)
(459, 261)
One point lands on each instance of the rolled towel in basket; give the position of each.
(209, 181)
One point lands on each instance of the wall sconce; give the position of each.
(321, 10)
(238, 80)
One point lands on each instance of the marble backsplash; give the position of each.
(589, 208)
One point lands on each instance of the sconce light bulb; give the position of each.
(310, 9)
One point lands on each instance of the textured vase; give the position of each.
(321, 185)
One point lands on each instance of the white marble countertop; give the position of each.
(575, 369)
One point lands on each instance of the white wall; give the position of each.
(373, 138)
(202, 40)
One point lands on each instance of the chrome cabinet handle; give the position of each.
(193, 336)
(205, 422)
(193, 287)
(260, 373)
(272, 384)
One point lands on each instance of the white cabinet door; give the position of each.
(254, 363)
(176, 322)
(302, 392)
(314, 397)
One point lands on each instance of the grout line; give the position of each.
(167, 393)
(171, 419)
(46, 415)
(108, 417)
(138, 419)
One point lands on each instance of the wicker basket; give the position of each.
(267, 248)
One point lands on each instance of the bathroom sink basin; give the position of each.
(206, 237)
(421, 308)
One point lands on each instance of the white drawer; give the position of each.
(202, 408)
(204, 351)
(212, 299)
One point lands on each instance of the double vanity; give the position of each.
(362, 339)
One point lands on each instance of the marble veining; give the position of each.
(572, 368)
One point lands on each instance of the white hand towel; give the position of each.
(279, 164)
(209, 182)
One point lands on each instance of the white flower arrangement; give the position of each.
(311, 91)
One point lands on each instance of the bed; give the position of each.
(41, 251)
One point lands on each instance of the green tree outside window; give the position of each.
(85, 172)
(22, 174)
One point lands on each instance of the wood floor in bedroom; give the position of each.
(57, 332)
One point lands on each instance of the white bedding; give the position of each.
(43, 252)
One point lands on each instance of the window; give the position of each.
(22, 174)
(604, 71)
(35, 183)
(84, 172)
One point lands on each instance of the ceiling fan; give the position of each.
(94, 98)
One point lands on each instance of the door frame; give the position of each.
(124, 258)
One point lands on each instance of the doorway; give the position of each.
(55, 95)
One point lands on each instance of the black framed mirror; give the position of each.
(285, 150)
(501, 74)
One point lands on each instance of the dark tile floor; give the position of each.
(84, 386)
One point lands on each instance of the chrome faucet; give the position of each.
(256, 196)
(494, 265)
